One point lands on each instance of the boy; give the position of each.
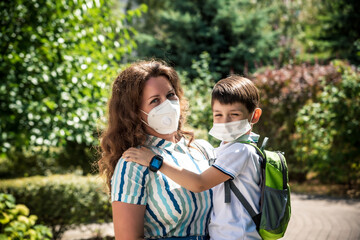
(235, 109)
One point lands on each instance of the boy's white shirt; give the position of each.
(230, 221)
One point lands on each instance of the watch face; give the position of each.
(156, 163)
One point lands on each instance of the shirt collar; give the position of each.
(252, 137)
(165, 144)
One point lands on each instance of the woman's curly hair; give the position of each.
(125, 129)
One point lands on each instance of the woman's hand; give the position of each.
(140, 155)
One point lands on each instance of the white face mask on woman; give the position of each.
(230, 131)
(164, 118)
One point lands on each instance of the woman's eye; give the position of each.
(155, 100)
(170, 95)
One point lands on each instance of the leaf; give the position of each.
(4, 218)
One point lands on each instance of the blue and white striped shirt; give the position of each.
(171, 210)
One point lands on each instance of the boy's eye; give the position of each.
(235, 114)
(217, 115)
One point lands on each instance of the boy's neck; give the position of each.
(253, 137)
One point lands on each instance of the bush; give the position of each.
(57, 61)
(62, 201)
(197, 90)
(16, 224)
(328, 133)
(283, 93)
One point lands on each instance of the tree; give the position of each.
(57, 60)
(331, 29)
(238, 35)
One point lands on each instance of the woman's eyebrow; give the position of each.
(154, 96)
(158, 95)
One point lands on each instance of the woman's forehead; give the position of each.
(156, 85)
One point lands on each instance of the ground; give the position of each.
(313, 216)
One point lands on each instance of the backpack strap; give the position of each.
(255, 217)
(263, 145)
(204, 152)
(285, 181)
(227, 191)
(229, 185)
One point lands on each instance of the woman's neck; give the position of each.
(168, 137)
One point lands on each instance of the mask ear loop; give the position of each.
(252, 116)
(143, 120)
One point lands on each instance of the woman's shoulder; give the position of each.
(126, 167)
(205, 148)
(205, 144)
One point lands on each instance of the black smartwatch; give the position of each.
(156, 163)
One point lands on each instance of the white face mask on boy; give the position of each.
(230, 131)
(164, 118)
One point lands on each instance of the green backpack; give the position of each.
(275, 208)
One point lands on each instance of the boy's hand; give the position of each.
(140, 155)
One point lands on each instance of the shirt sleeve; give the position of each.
(128, 183)
(233, 159)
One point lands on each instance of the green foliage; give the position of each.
(62, 201)
(57, 61)
(331, 29)
(328, 131)
(283, 92)
(198, 92)
(16, 224)
(237, 34)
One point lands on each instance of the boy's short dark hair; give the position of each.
(236, 89)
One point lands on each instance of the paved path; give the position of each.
(312, 218)
(323, 218)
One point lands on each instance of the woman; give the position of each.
(147, 109)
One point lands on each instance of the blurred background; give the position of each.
(59, 58)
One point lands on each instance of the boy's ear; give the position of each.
(257, 115)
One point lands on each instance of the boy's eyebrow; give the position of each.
(232, 110)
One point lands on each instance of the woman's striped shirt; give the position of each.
(171, 210)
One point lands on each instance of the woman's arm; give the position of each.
(128, 220)
(187, 179)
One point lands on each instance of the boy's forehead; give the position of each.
(237, 106)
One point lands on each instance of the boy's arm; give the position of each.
(187, 179)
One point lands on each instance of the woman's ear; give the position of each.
(257, 115)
